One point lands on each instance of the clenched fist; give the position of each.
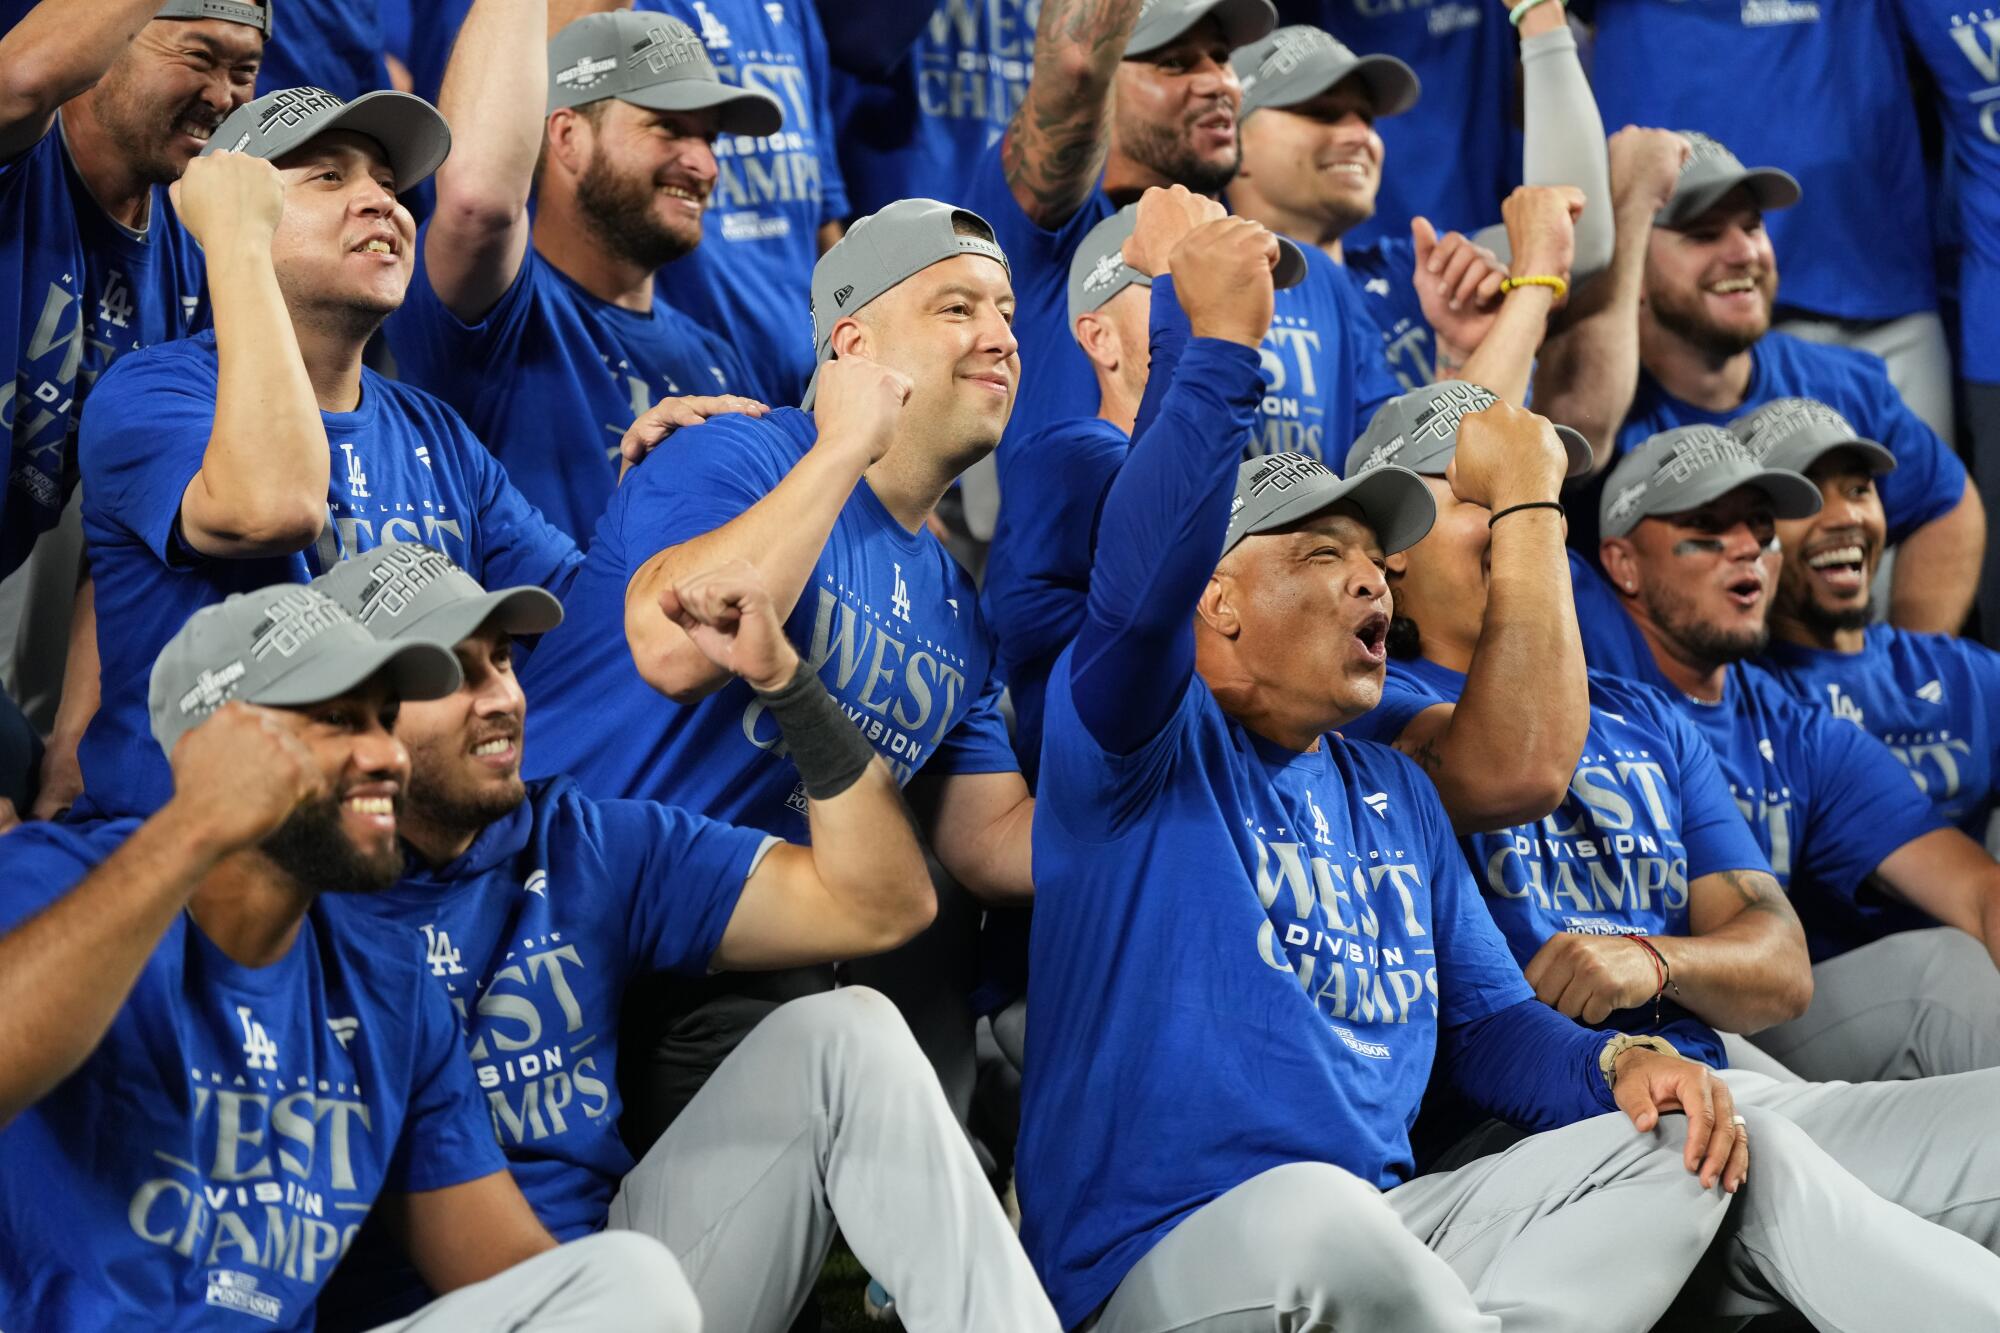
(1541, 228)
(1222, 276)
(243, 772)
(1646, 166)
(1166, 216)
(728, 613)
(226, 198)
(858, 404)
(1506, 456)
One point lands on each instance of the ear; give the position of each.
(568, 139)
(1099, 340)
(850, 337)
(1217, 607)
(1397, 566)
(1621, 564)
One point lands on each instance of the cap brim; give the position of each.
(1880, 461)
(1792, 494)
(409, 129)
(1243, 22)
(417, 670)
(526, 610)
(1394, 500)
(743, 110)
(1290, 270)
(812, 387)
(1578, 450)
(1769, 187)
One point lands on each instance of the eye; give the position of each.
(329, 174)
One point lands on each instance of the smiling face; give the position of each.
(168, 90)
(344, 248)
(1174, 111)
(1701, 577)
(1713, 282)
(465, 749)
(1319, 161)
(1830, 558)
(646, 178)
(346, 841)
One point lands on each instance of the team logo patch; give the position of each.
(585, 73)
(1626, 502)
(1104, 272)
(211, 690)
(231, 1290)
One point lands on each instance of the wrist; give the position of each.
(1223, 333)
(1611, 1056)
(191, 825)
(780, 676)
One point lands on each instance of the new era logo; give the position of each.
(840, 294)
(1378, 802)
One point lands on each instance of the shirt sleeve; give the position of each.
(1929, 480)
(978, 743)
(1858, 815)
(144, 432)
(447, 1134)
(432, 344)
(1476, 971)
(686, 874)
(518, 545)
(1403, 697)
(38, 865)
(697, 480)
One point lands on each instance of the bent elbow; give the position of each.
(680, 671)
(1490, 807)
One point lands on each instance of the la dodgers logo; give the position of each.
(259, 1051)
(357, 480)
(899, 601)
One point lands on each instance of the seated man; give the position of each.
(1901, 911)
(1928, 697)
(263, 451)
(205, 1082)
(827, 1114)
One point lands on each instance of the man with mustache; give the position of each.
(207, 1082)
(548, 332)
(264, 451)
(101, 107)
(827, 1116)
(1901, 910)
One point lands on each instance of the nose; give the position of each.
(379, 755)
(1743, 542)
(1737, 245)
(1215, 78)
(1366, 580)
(996, 335)
(373, 199)
(497, 694)
(698, 160)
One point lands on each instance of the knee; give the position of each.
(1327, 1228)
(634, 1282)
(860, 1026)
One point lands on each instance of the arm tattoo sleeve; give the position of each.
(1056, 143)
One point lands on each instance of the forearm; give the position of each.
(1589, 366)
(1528, 1065)
(562, 13)
(865, 851)
(1750, 974)
(494, 92)
(1505, 357)
(1167, 334)
(1565, 134)
(58, 50)
(65, 972)
(1055, 144)
(1937, 569)
(993, 859)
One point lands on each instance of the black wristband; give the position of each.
(1532, 504)
(830, 754)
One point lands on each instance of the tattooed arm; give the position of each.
(1058, 138)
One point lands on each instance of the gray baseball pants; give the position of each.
(1911, 1005)
(829, 1115)
(1914, 348)
(613, 1282)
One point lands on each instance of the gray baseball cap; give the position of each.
(896, 242)
(1278, 490)
(283, 646)
(229, 11)
(1684, 468)
(1419, 430)
(1795, 432)
(1098, 271)
(653, 61)
(1163, 21)
(409, 129)
(406, 590)
(1297, 63)
(1711, 172)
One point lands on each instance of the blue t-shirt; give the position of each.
(1858, 245)
(1251, 952)
(1456, 154)
(210, 1162)
(1928, 697)
(1960, 46)
(888, 618)
(405, 468)
(1383, 272)
(1826, 801)
(909, 132)
(332, 44)
(77, 291)
(1052, 485)
(533, 934)
(1647, 814)
(750, 279)
(551, 376)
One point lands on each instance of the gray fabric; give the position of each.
(653, 61)
(1277, 490)
(1914, 348)
(409, 129)
(1686, 467)
(1911, 1005)
(1296, 64)
(1982, 410)
(827, 1115)
(1742, 1054)
(612, 1282)
(1795, 433)
(1711, 172)
(1419, 430)
(1564, 142)
(1534, 1239)
(36, 604)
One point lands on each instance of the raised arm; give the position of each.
(1589, 367)
(1563, 136)
(262, 485)
(65, 972)
(1058, 138)
(1484, 335)
(495, 90)
(856, 404)
(59, 49)
(1951, 877)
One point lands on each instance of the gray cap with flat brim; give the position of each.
(406, 590)
(410, 130)
(655, 62)
(880, 251)
(1098, 271)
(1296, 64)
(228, 11)
(1685, 468)
(1277, 490)
(1711, 172)
(1163, 21)
(1419, 430)
(283, 646)
(1795, 433)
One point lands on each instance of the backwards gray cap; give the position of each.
(1278, 490)
(1419, 430)
(1163, 21)
(284, 646)
(1684, 468)
(409, 129)
(406, 590)
(891, 244)
(229, 11)
(1711, 172)
(1298, 63)
(1098, 271)
(1795, 432)
(655, 62)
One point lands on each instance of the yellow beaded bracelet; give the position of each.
(1558, 285)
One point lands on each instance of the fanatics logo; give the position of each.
(343, 1029)
(1378, 802)
(1931, 692)
(538, 884)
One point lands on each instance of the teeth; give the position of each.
(371, 805)
(496, 746)
(1734, 285)
(379, 247)
(678, 193)
(1842, 555)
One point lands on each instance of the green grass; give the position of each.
(841, 1283)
